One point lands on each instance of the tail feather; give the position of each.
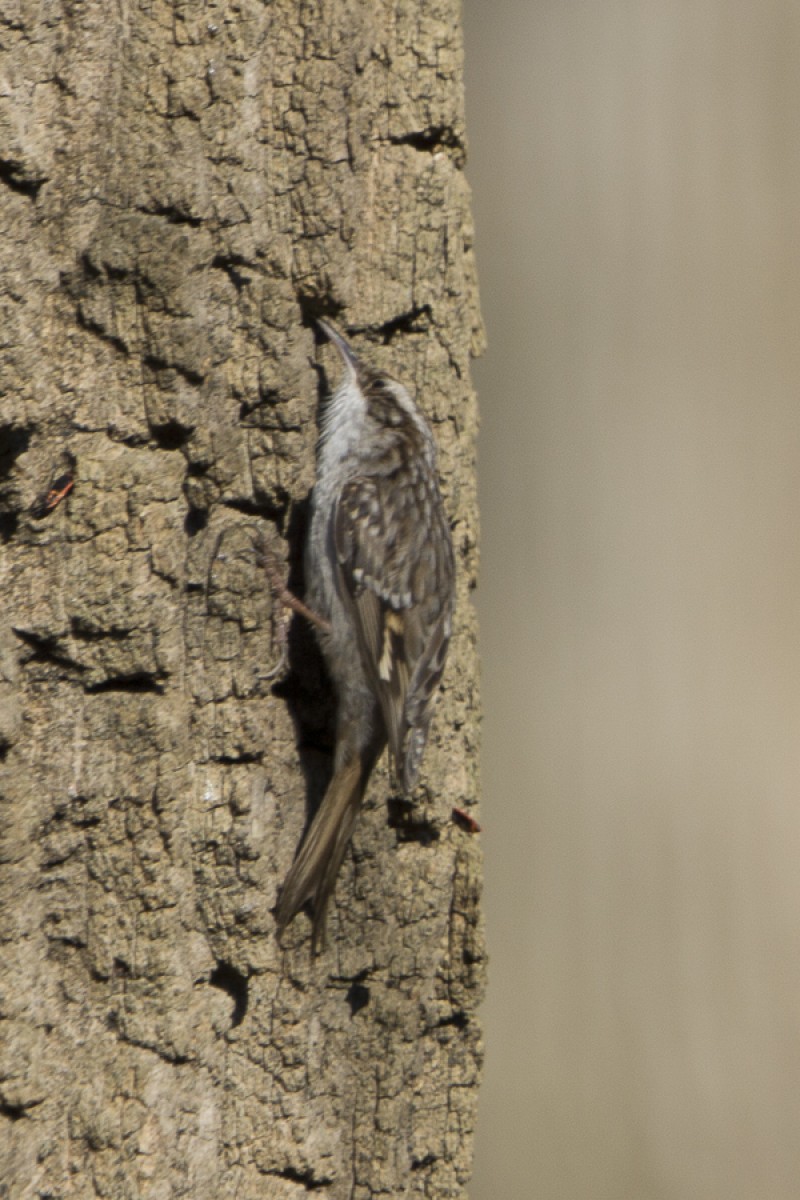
(314, 871)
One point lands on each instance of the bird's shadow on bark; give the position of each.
(305, 686)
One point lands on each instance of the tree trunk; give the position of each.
(183, 189)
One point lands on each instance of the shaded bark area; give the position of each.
(181, 193)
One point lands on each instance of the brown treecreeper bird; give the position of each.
(380, 579)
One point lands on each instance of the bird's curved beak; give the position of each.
(342, 345)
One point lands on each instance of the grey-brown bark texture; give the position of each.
(183, 188)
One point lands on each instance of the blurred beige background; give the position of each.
(636, 170)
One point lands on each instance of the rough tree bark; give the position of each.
(183, 188)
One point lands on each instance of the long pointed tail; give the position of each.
(313, 873)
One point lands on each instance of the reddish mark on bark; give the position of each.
(465, 821)
(47, 501)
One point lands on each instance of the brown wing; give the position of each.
(396, 568)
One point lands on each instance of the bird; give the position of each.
(380, 575)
